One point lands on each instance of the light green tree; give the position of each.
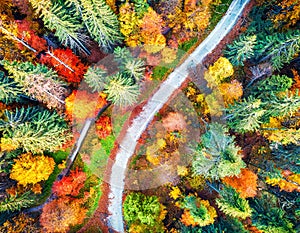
(217, 156)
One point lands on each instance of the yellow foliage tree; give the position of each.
(290, 183)
(219, 71)
(231, 91)
(289, 14)
(129, 24)
(29, 169)
(275, 132)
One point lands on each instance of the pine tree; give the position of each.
(121, 91)
(217, 156)
(241, 49)
(66, 25)
(101, 22)
(9, 89)
(15, 203)
(95, 77)
(129, 66)
(232, 204)
(274, 84)
(38, 82)
(249, 114)
(34, 129)
(280, 48)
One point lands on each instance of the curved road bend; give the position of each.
(154, 104)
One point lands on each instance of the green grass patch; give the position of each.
(118, 123)
(59, 156)
(108, 143)
(47, 187)
(187, 45)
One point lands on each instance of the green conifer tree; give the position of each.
(34, 129)
(232, 204)
(101, 22)
(121, 90)
(38, 82)
(217, 156)
(9, 89)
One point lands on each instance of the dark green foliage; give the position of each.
(267, 216)
(34, 129)
(225, 225)
(232, 204)
(260, 43)
(279, 48)
(9, 89)
(217, 156)
(190, 229)
(139, 208)
(286, 157)
(259, 21)
(14, 203)
(273, 84)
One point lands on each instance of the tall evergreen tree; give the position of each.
(38, 82)
(34, 129)
(64, 22)
(217, 156)
(101, 22)
(9, 89)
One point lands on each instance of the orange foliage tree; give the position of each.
(151, 31)
(66, 63)
(60, 214)
(231, 91)
(70, 185)
(26, 31)
(245, 183)
(82, 104)
(103, 127)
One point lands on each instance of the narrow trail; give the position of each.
(128, 143)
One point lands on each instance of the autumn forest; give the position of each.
(160, 116)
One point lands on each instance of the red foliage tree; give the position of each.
(103, 127)
(66, 63)
(27, 32)
(70, 185)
